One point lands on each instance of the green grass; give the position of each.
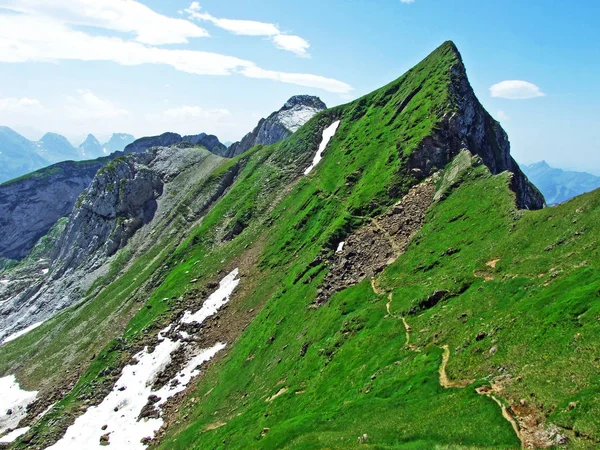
(344, 365)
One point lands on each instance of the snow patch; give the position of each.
(10, 437)
(215, 301)
(45, 271)
(294, 118)
(328, 133)
(340, 247)
(121, 408)
(4, 282)
(15, 399)
(14, 336)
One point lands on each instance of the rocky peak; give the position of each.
(298, 110)
(304, 100)
(466, 125)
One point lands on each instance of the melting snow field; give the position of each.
(4, 282)
(120, 410)
(12, 337)
(13, 399)
(328, 133)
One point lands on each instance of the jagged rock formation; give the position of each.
(559, 185)
(124, 196)
(121, 198)
(296, 112)
(208, 141)
(466, 125)
(31, 205)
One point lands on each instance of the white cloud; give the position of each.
(301, 79)
(195, 112)
(294, 44)
(23, 105)
(127, 16)
(502, 116)
(516, 90)
(283, 41)
(407, 1)
(39, 37)
(86, 105)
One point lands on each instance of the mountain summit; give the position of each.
(358, 282)
(298, 110)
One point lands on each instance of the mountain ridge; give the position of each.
(466, 282)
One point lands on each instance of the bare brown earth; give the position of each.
(370, 249)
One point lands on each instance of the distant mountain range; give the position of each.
(19, 155)
(559, 185)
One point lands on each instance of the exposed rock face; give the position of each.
(470, 127)
(208, 141)
(371, 248)
(30, 206)
(131, 192)
(296, 112)
(121, 198)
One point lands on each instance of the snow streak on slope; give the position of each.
(15, 400)
(328, 133)
(12, 337)
(120, 410)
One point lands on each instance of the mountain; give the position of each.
(117, 143)
(559, 185)
(20, 156)
(17, 155)
(55, 148)
(296, 112)
(210, 142)
(31, 205)
(91, 148)
(384, 277)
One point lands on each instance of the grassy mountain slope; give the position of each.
(304, 377)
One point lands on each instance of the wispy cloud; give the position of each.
(516, 90)
(195, 112)
(86, 105)
(44, 31)
(407, 1)
(129, 16)
(291, 43)
(24, 105)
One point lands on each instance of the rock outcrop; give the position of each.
(131, 197)
(208, 141)
(470, 127)
(279, 125)
(31, 205)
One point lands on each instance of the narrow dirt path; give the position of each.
(444, 380)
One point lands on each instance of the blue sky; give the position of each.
(145, 67)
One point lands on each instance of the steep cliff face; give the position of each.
(121, 198)
(466, 125)
(29, 206)
(296, 112)
(130, 195)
